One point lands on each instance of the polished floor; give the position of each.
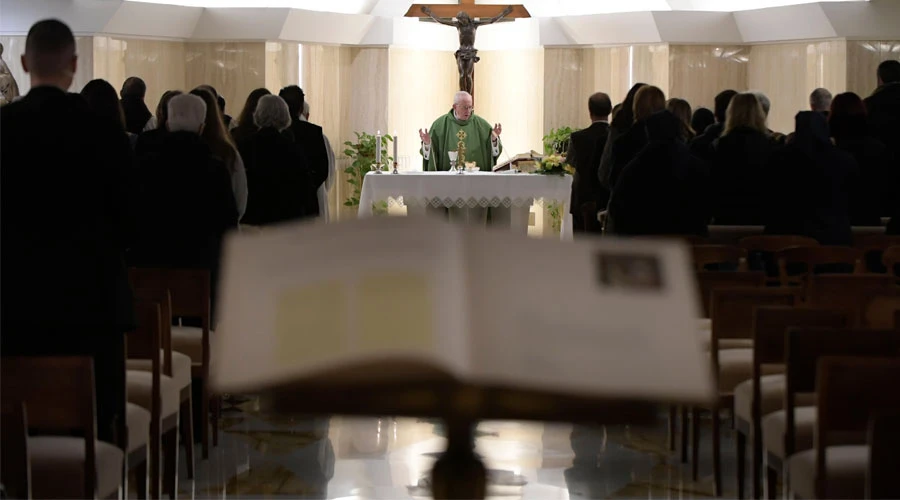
(261, 455)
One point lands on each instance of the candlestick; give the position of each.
(396, 158)
(378, 149)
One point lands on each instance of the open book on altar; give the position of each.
(395, 300)
(525, 162)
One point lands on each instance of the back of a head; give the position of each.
(272, 112)
(214, 131)
(599, 105)
(848, 116)
(210, 88)
(134, 88)
(811, 131)
(50, 51)
(723, 99)
(187, 113)
(162, 109)
(820, 100)
(701, 119)
(889, 71)
(104, 101)
(246, 116)
(648, 100)
(745, 111)
(763, 101)
(293, 96)
(221, 102)
(663, 126)
(624, 118)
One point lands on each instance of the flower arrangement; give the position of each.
(554, 165)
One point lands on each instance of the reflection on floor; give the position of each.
(262, 455)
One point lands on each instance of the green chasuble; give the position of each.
(446, 133)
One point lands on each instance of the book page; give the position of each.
(302, 299)
(607, 318)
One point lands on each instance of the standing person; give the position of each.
(588, 195)
(66, 224)
(330, 175)
(307, 135)
(137, 116)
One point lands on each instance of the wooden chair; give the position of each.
(705, 255)
(890, 258)
(813, 256)
(190, 292)
(764, 394)
(881, 309)
(59, 395)
(764, 248)
(848, 292)
(884, 456)
(791, 429)
(873, 247)
(849, 391)
(15, 469)
(732, 311)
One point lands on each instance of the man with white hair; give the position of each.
(329, 181)
(185, 201)
(766, 104)
(461, 130)
(820, 101)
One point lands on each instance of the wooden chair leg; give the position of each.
(684, 434)
(140, 479)
(673, 416)
(170, 472)
(695, 443)
(741, 463)
(204, 417)
(155, 454)
(757, 466)
(771, 483)
(216, 415)
(186, 415)
(717, 452)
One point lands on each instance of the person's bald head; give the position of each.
(49, 55)
(599, 106)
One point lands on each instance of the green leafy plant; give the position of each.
(554, 210)
(362, 152)
(557, 141)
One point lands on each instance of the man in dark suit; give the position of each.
(701, 146)
(308, 136)
(587, 192)
(66, 223)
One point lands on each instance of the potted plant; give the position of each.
(362, 152)
(557, 141)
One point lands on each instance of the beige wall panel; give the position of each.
(282, 66)
(568, 81)
(14, 47)
(416, 102)
(863, 58)
(650, 65)
(509, 89)
(233, 68)
(611, 71)
(159, 63)
(698, 72)
(787, 73)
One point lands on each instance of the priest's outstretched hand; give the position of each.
(425, 136)
(497, 130)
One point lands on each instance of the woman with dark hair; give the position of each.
(622, 121)
(702, 119)
(151, 140)
(647, 101)
(810, 183)
(682, 110)
(870, 195)
(245, 125)
(103, 100)
(222, 146)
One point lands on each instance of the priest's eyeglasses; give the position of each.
(467, 108)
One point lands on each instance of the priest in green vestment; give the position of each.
(463, 131)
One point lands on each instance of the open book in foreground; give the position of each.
(413, 304)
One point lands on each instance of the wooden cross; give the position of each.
(476, 11)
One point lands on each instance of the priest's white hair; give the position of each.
(820, 100)
(272, 111)
(187, 113)
(459, 97)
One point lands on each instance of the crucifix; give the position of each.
(466, 22)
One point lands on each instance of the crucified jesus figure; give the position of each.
(467, 55)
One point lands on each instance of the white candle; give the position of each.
(378, 148)
(396, 158)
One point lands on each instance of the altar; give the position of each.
(419, 190)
